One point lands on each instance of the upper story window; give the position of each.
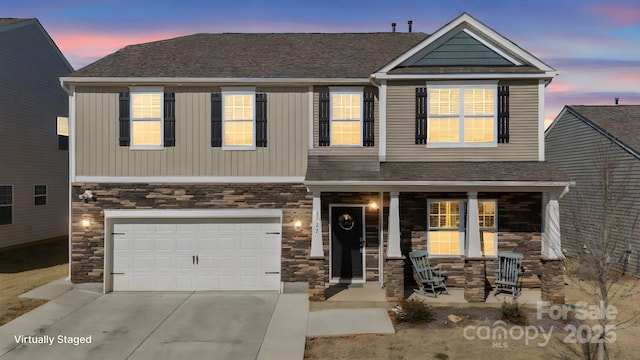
(6, 204)
(62, 129)
(238, 119)
(461, 115)
(146, 119)
(346, 117)
(39, 195)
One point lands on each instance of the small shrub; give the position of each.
(414, 311)
(441, 356)
(513, 313)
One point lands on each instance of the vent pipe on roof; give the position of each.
(393, 27)
(410, 22)
(617, 100)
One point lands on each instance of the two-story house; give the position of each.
(270, 161)
(34, 183)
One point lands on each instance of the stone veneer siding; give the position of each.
(87, 247)
(552, 281)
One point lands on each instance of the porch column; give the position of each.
(551, 244)
(473, 227)
(393, 247)
(316, 228)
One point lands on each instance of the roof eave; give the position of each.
(486, 186)
(73, 80)
(480, 76)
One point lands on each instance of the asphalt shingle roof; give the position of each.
(9, 21)
(233, 55)
(619, 121)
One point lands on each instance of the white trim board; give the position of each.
(190, 179)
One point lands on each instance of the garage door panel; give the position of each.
(233, 254)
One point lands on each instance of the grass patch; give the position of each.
(513, 313)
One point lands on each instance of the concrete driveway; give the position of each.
(208, 325)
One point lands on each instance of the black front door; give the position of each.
(347, 242)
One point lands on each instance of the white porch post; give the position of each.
(393, 247)
(316, 227)
(473, 227)
(551, 247)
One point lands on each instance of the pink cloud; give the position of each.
(621, 14)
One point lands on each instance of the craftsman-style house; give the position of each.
(275, 161)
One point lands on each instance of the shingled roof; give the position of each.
(619, 121)
(234, 55)
(9, 21)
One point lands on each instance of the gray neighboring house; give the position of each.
(579, 142)
(34, 168)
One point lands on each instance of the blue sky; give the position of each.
(594, 44)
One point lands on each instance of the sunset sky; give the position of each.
(594, 44)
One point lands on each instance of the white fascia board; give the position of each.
(191, 213)
(482, 76)
(208, 80)
(191, 179)
(491, 34)
(413, 186)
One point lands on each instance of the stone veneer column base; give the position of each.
(316, 279)
(475, 280)
(552, 281)
(394, 278)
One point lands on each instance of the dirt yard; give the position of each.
(23, 269)
(477, 334)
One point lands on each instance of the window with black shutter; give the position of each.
(503, 114)
(421, 115)
(324, 117)
(216, 119)
(125, 125)
(169, 119)
(261, 120)
(367, 123)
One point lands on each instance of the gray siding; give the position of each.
(579, 150)
(523, 125)
(30, 100)
(99, 154)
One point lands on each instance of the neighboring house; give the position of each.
(34, 172)
(588, 142)
(273, 161)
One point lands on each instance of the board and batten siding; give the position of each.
(345, 152)
(523, 128)
(580, 151)
(30, 101)
(99, 154)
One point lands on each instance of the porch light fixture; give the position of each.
(297, 225)
(373, 205)
(86, 223)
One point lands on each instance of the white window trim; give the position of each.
(45, 196)
(346, 90)
(462, 229)
(146, 90)
(495, 228)
(10, 205)
(239, 91)
(462, 86)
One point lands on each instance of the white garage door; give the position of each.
(182, 255)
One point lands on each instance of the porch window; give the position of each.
(488, 228)
(446, 230)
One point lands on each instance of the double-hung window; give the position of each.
(238, 119)
(462, 115)
(6, 204)
(62, 129)
(147, 113)
(446, 227)
(346, 117)
(39, 195)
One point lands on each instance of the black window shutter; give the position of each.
(169, 119)
(324, 139)
(216, 119)
(261, 120)
(125, 126)
(503, 114)
(421, 115)
(367, 133)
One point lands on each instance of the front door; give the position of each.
(347, 243)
